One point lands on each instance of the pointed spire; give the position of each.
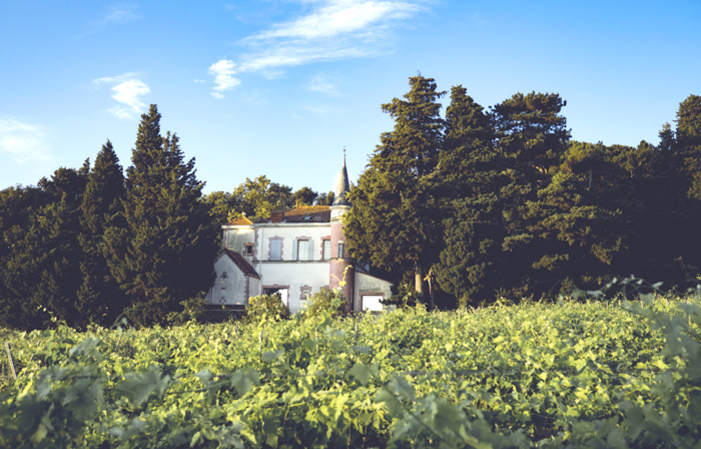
(343, 187)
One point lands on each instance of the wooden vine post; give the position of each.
(9, 357)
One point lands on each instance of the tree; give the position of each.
(221, 205)
(392, 223)
(41, 260)
(325, 199)
(165, 255)
(257, 198)
(305, 197)
(467, 182)
(99, 297)
(532, 137)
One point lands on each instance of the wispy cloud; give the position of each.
(117, 15)
(324, 84)
(223, 72)
(127, 90)
(331, 30)
(23, 142)
(120, 15)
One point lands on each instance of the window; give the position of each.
(302, 249)
(275, 248)
(248, 249)
(340, 250)
(326, 250)
(372, 303)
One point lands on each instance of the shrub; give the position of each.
(325, 301)
(265, 307)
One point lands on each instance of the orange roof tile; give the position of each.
(241, 221)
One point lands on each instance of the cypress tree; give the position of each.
(467, 182)
(165, 256)
(99, 297)
(393, 223)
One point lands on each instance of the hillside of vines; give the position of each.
(570, 374)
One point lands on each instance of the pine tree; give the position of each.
(165, 255)
(393, 223)
(532, 137)
(99, 297)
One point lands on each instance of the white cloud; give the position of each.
(223, 71)
(331, 30)
(23, 142)
(200, 81)
(338, 17)
(323, 84)
(120, 15)
(127, 90)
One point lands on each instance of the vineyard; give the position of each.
(571, 374)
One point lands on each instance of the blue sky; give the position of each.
(279, 87)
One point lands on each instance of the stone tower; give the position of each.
(341, 263)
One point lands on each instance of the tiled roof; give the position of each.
(241, 221)
(304, 214)
(240, 262)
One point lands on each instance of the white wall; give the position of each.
(369, 285)
(230, 289)
(290, 271)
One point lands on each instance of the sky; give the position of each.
(281, 87)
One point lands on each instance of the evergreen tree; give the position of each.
(467, 182)
(532, 137)
(99, 297)
(165, 255)
(41, 261)
(393, 223)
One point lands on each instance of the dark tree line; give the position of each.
(501, 202)
(90, 244)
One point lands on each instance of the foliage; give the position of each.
(304, 197)
(325, 302)
(392, 223)
(99, 297)
(265, 308)
(258, 197)
(573, 374)
(164, 256)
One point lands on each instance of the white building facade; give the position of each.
(294, 253)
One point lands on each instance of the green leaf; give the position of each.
(138, 386)
(269, 356)
(361, 373)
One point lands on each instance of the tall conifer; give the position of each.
(165, 256)
(393, 223)
(99, 297)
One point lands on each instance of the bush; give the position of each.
(325, 301)
(265, 307)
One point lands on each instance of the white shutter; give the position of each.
(294, 250)
(311, 249)
(275, 249)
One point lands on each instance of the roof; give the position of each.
(343, 187)
(304, 214)
(240, 262)
(241, 221)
